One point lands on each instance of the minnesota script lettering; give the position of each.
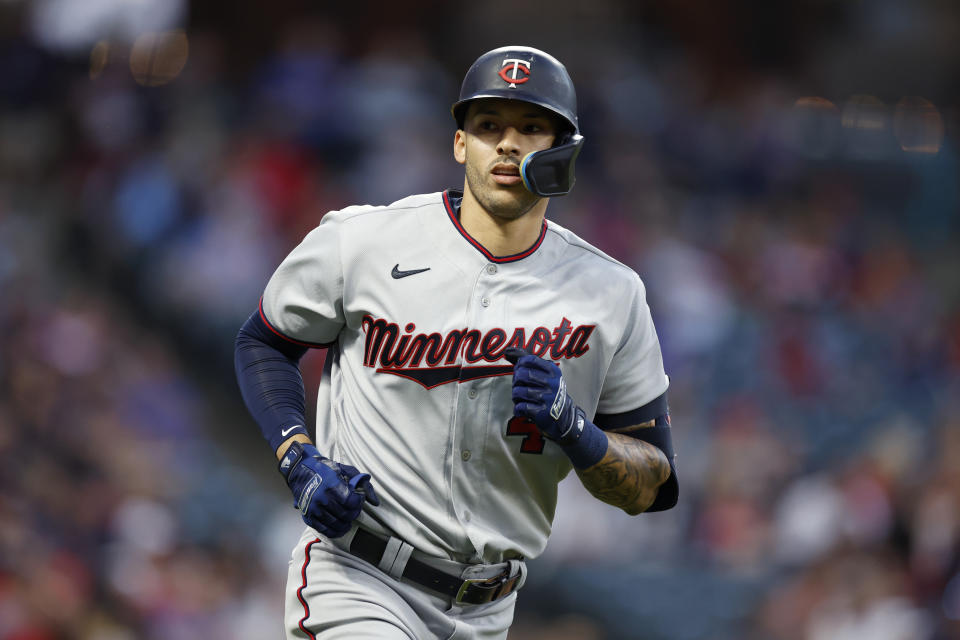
(429, 358)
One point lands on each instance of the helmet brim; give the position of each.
(459, 109)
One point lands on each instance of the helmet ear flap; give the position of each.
(551, 172)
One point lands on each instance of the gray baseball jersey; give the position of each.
(416, 391)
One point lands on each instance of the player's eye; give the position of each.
(532, 128)
(487, 125)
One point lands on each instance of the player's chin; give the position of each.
(510, 203)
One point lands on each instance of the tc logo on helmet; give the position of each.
(511, 71)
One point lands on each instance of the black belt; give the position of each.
(370, 547)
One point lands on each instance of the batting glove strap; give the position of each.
(303, 485)
(574, 420)
(291, 459)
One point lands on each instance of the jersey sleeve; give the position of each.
(636, 375)
(303, 301)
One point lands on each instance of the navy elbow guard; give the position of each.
(659, 435)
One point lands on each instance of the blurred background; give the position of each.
(782, 175)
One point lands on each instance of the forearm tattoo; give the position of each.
(629, 475)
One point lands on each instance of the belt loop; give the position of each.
(400, 562)
(518, 566)
(389, 554)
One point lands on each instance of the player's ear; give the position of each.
(460, 146)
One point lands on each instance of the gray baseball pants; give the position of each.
(332, 595)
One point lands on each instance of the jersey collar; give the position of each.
(452, 199)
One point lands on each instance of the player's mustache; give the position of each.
(506, 160)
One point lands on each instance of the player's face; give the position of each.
(496, 136)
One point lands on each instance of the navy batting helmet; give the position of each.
(530, 75)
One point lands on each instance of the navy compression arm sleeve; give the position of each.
(269, 377)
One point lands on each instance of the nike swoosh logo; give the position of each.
(283, 434)
(397, 274)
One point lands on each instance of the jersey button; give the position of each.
(472, 394)
(491, 269)
(465, 454)
(485, 301)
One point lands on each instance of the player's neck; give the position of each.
(499, 236)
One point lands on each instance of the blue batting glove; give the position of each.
(328, 494)
(540, 394)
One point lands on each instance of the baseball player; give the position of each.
(477, 353)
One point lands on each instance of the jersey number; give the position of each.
(532, 438)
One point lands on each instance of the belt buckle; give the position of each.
(491, 585)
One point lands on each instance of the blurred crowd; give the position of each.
(801, 264)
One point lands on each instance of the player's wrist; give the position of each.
(284, 446)
(586, 444)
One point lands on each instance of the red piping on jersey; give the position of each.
(479, 247)
(303, 573)
(312, 345)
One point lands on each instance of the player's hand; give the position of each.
(328, 494)
(540, 394)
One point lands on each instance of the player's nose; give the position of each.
(509, 144)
